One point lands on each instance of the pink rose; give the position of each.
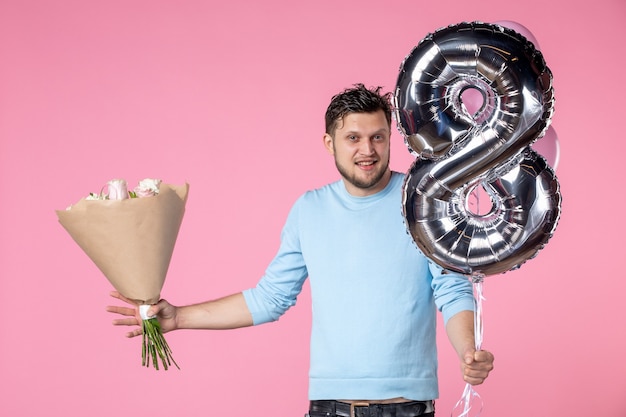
(118, 190)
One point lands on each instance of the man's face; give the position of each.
(361, 149)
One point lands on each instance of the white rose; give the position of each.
(93, 196)
(148, 187)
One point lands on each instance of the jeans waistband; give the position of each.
(331, 408)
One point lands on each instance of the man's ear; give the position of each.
(328, 144)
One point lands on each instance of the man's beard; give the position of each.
(359, 183)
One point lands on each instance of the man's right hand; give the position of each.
(164, 311)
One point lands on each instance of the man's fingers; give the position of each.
(473, 380)
(119, 296)
(131, 319)
(134, 333)
(130, 313)
(483, 356)
(475, 376)
(125, 311)
(126, 322)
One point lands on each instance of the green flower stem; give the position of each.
(154, 346)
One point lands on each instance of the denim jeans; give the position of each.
(322, 414)
(330, 408)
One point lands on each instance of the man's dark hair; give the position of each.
(358, 99)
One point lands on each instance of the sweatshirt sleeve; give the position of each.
(279, 287)
(453, 292)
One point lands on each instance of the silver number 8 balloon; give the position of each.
(459, 152)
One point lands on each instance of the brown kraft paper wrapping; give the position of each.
(131, 241)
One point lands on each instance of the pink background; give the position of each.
(230, 96)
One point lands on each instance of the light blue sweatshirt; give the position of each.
(374, 294)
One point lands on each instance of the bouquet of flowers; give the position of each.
(130, 236)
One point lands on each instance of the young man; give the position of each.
(374, 294)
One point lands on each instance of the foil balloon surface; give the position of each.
(461, 149)
(548, 147)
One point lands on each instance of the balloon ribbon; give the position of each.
(470, 401)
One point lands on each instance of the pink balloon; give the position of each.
(548, 147)
(519, 28)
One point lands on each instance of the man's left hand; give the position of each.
(476, 366)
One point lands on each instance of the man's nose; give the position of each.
(367, 147)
